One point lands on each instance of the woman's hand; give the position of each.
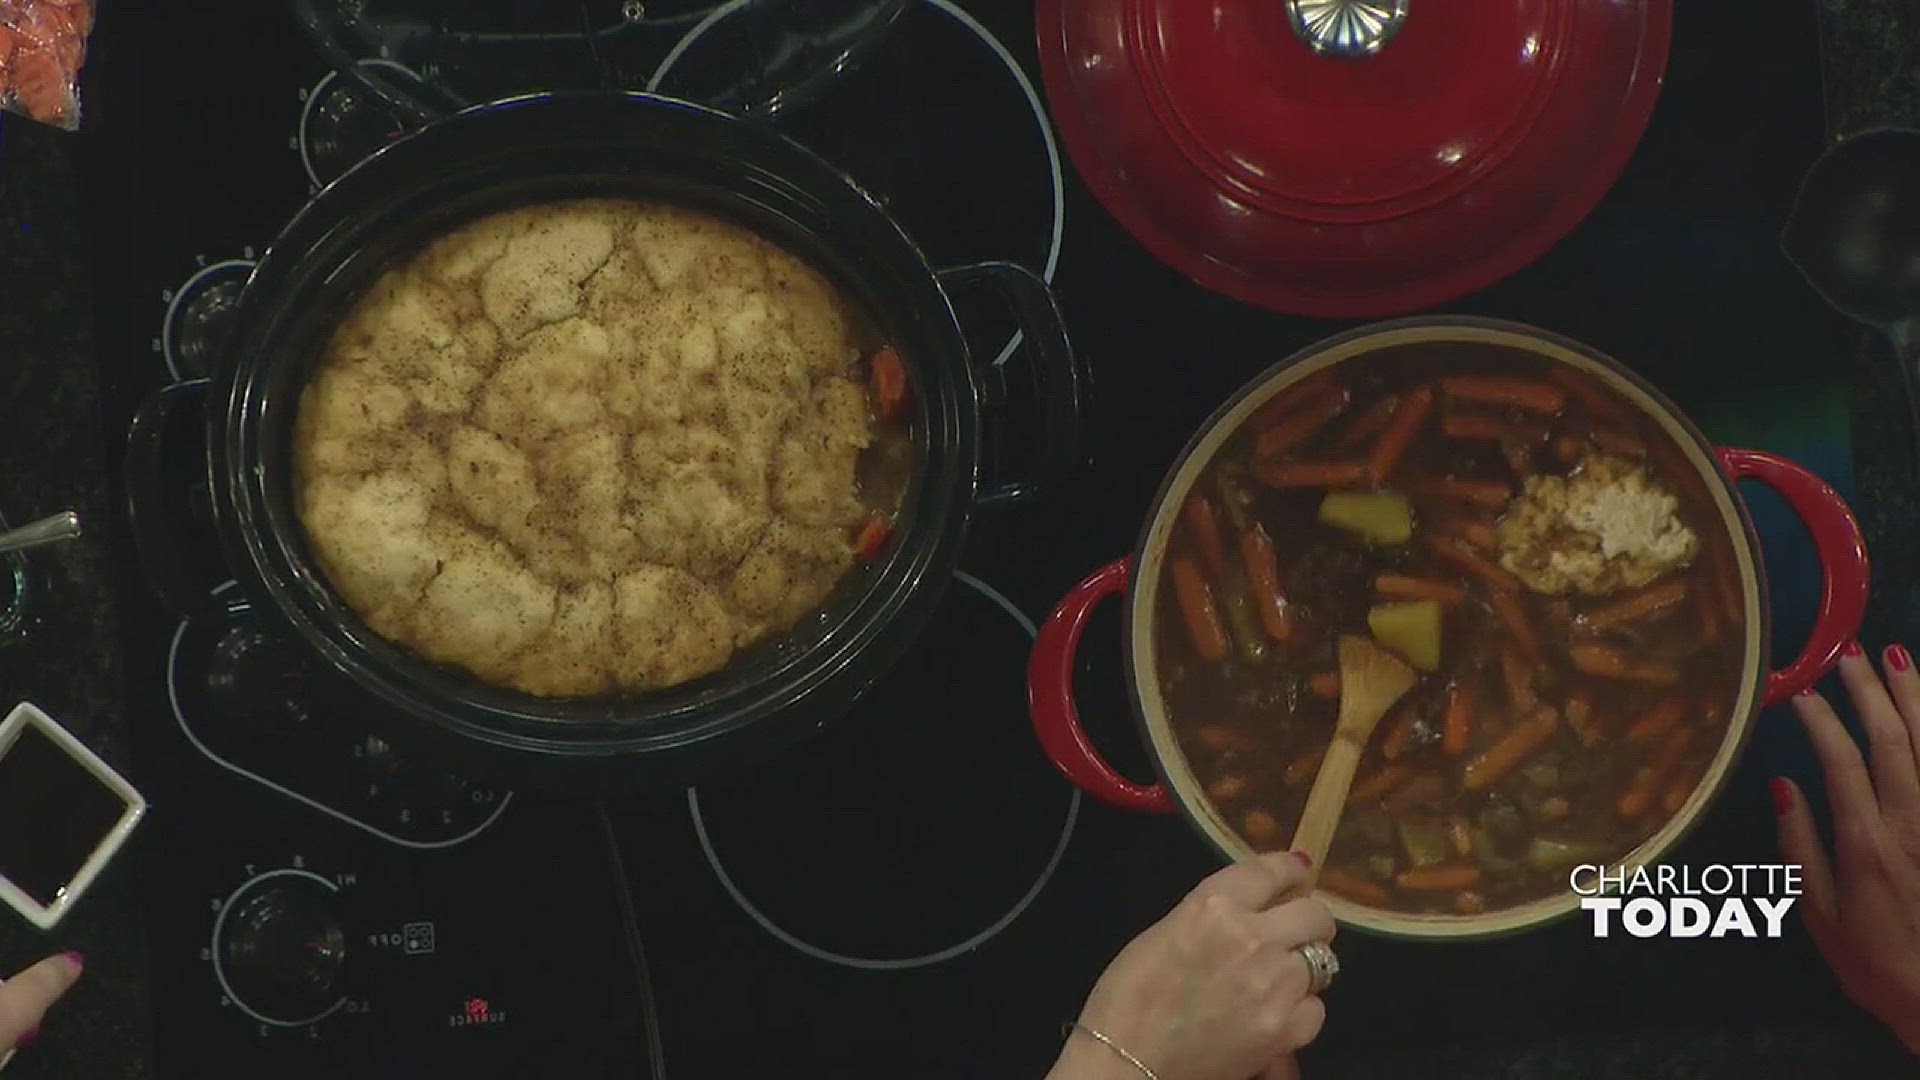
(1214, 991)
(1862, 908)
(25, 998)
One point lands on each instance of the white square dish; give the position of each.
(47, 915)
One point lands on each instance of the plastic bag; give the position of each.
(42, 45)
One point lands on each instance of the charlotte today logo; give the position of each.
(1741, 899)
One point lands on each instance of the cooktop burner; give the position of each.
(902, 817)
(932, 113)
(240, 696)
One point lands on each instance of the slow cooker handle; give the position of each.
(159, 512)
(1056, 374)
(1842, 551)
(1056, 719)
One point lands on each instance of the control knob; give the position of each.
(278, 948)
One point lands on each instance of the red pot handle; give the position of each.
(1843, 564)
(1056, 720)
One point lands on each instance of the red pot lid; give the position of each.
(1351, 158)
(1449, 92)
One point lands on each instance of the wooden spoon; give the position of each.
(1371, 681)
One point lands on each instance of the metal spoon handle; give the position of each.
(49, 530)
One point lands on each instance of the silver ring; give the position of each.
(1322, 965)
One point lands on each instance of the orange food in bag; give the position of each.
(42, 45)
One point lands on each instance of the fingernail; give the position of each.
(1782, 793)
(78, 960)
(1898, 658)
(27, 1039)
(1851, 648)
(1306, 860)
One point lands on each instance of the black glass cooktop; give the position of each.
(916, 893)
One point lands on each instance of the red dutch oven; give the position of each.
(1138, 578)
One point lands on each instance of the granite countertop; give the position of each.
(69, 662)
(70, 666)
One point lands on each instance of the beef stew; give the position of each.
(1543, 554)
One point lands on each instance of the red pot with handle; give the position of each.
(1594, 765)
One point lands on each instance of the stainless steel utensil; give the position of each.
(1855, 234)
(48, 530)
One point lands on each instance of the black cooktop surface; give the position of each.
(916, 893)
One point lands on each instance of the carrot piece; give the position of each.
(1492, 765)
(1289, 429)
(1479, 427)
(1310, 474)
(1475, 530)
(1393, 586)
(1641, 791)
(1516, 673)
(1644, 604)
(1201, 615)
(1305, 767)
(1461, 554)
(1420, 788)
(1215, 737)
(1490, 494)
(1513, 613)
(1263, 579)
(1609, 663)
(1325, 684)
(1707, 610)
(1377, 786)
(1441, 878)
(1296, 400)
(1369, 423)
(1230, 786)
(1360, 890)
(1456, 730)
(1657, 721)
(1619, 441)
(1677, 791)
(872, 536)
(889, 377)
(1526, 395)
(1579, 713)
(1398, 435)
(1205, 527)
(1591, 392)
(1259, 827)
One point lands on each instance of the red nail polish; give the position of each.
(1782, 793)
(27, 1039)
(1851, 648)
(79, 960)
(1898, 658)
(1306, 860)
